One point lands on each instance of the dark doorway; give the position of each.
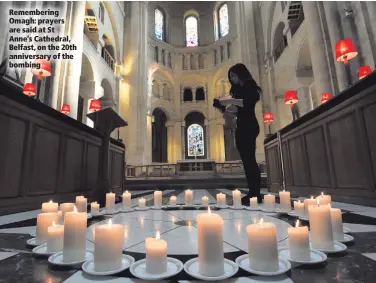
(195, 136)
(159, 136)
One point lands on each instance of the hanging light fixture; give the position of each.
(345, 50)
(29, 89)
(65, 109)
(364, 71)
(44, 70)
(291, 97)
(95, 105)
(325, 97)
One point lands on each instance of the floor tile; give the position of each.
(4, 255)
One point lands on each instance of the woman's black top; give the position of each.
(246, 116)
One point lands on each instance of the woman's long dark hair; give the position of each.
(244, 75)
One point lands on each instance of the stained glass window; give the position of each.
(191, 31)
(195, 136)
(223, 20)
(159, 24)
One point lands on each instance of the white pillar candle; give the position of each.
(188, 197)
(262, 246)
(337, 225)
(141, 203)
(94, 208)
(269, 202)
(74, 236)
(156, 255)
(127, 200)
(236, 196)
(299, 207)
(210, 244)
(108, 247)
(50, 207)
(221, 199)
(173, 200)
(81, 204)
(321, 227)
(205, 201)
(66, 207)
(324, 199)
(307, 203)
(110, 201)
(44, 220)
(157, 199)
(55, 238)
(299, 243)
(253, 202)
(285, 200)
(60, 218)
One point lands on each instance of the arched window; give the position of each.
(159, 25)
(187, 95)
(200, 94)
(191, 31)
(195, 138)
(223, 20)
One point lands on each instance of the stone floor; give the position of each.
(357, 264)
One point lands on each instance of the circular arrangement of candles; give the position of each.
(237, 200)
(269, 202)
(50, 207)
(221, 199)
(127, 200)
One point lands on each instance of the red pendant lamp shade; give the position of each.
(345, 50)
(44, 70)
(29, 89)
(95, 105)
(268, 117)
(291, 97)
(65, 109)
(325, 97)
(364, 71)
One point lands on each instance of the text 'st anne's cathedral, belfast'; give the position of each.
(159, 65)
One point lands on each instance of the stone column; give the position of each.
(183, 140)
(334, 28)
(73, 73)
(317, 47)
(305, 100)
(170, 142)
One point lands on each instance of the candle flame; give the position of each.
(110, 222)
(284, 190)
(126, 191)
(50, 201)
(74, 209)
(297, 223)
(158, 236)
(311, 197)
(299, 200)
(318, 202)
(322, 194)
(53, 224)
(209, 211)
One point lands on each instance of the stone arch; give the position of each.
(166, 107)
(117, 57)
(87, 73)
(194, 108)
(195, 147)
(303, 57)
(86, 89)
(159, 136)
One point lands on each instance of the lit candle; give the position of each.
(156, 255)
(307, 203)
(44, 220)
(157, 199)
(50, 207)
(188, 197)
(66, 207)
(221, 199)
(127, 203)
(253, 202)
(108, 246)
(236, 196)
(337, 225)
(141, 203)
(81, 204)
(210, 244)
(173, 200)
(299, 243)
(325, 199)
(205, 201)
(262, 246)
(55, 238)
(299, 207)
(321, 226)
(75, 224)
(94, 208)
(285, 200)
(110, 201)
(269, 202)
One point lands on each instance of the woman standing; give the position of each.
(245, 94)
